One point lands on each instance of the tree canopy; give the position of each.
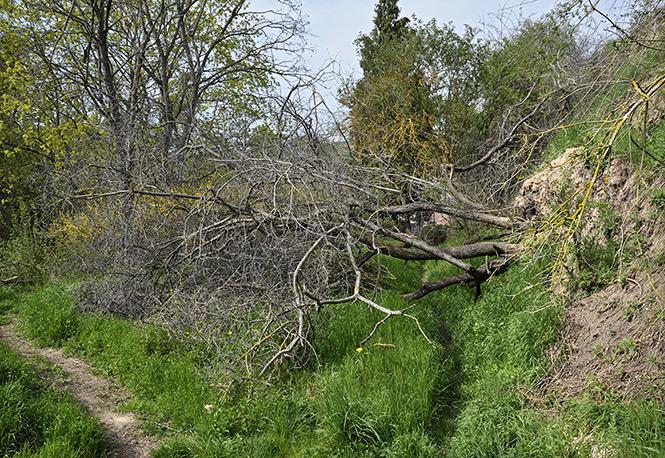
(417, 97)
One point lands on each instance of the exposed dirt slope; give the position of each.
(101, 397)
(612, 341)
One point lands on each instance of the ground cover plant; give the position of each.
(162, 375)
(37, 421)
(337, 406)
(466, 394)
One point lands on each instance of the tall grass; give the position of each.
(380, 396)
(468, 395)
(163, 376)
(499, 342)
(36, 421)
(378, 400)
(372, 400)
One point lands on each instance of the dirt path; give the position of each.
(100, 396)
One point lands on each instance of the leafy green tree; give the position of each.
(530, 65)
(13, 164)
(117, 95)
(388, 26)
(416, 101)
(107, 104)
(25, 131)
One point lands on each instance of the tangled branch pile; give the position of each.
(201, 200)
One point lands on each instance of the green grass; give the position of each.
(468, 395)
(586, 129)
(36, 421)
(569, 137)
(499, 342)
(374, 400)
(162, 375)
(655, 144)
(341, 409)
(395, 396)
(381, 396)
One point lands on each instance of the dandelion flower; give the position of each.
(359, 349)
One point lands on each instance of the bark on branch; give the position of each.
(448, 210)
(437, 251)
(460, 252)
(483, 273)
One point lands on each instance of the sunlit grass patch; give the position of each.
(465, 394)
(166, 382)
(39, 421)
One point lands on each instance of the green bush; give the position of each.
(22, 256)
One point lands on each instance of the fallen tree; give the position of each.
(247, 233)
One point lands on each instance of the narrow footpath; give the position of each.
(101, 397)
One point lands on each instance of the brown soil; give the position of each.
(566, 175)
(101, 397)
(613, 343)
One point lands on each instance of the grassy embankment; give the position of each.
(470, 396)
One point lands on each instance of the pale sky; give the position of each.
(336, 24)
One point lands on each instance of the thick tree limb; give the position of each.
(460, 252)
(439, 252)
(447, 177)
(484, 273)
(448, 210)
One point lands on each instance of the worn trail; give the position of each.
(101, 397)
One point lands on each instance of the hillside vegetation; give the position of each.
(469, 265)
